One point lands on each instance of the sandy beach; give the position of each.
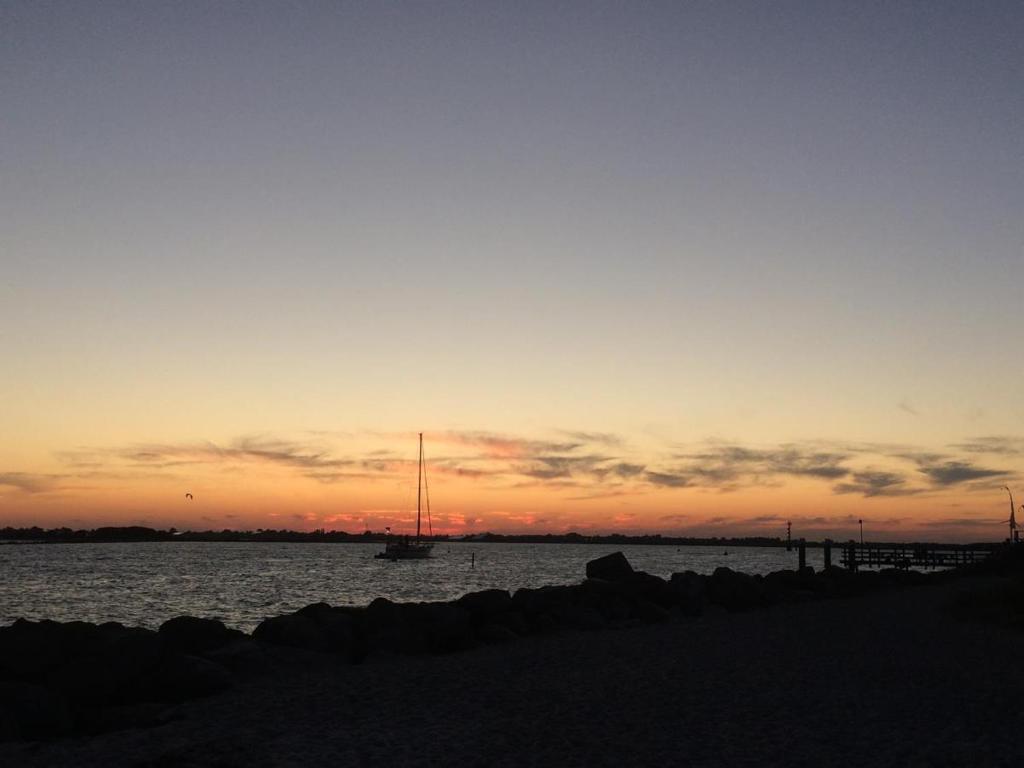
(884, 679)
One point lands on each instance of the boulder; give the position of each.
(485, 605)
(190, 634)
(112, 671)
(654, 589)
(148, 714)
(444, 627)
(187, 677)
(613, 567)
(129, 653)
(836, 582)
(514, 621)
(650, 612)
(293, 631)
(89, 681)
(581, 617)
(337, 625)
(242, 657)
(387, 626)
(546, 608)
(781, 586)
(733, 590)
(690, 591)
(611, 600)
(496, 634)
(560, 607)
(29, 711)
(29, 649)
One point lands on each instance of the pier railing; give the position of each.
(853, 555)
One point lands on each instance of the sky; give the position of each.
(687, 268)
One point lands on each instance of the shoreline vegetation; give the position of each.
(116, 534)
(77, 680)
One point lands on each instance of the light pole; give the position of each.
(861, 532)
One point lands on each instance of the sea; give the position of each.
(241, 583)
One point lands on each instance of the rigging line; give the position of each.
(426, 489)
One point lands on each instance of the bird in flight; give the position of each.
(188, 495)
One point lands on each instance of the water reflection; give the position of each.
(241, 583)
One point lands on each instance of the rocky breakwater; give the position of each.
(79, 678)
(613, 596)
(60, 679)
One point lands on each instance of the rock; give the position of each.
(113, 670)
(514, 621)
(484, 606)
(690, 591)
(561, 607)
(385, 626)
(613, 567)
(31, 712)
(313, 609)
(293, 631)
(496, 634)
(242, 657)
(733, 590)
(337, 625)
(188, 677)
(836, 582)
(650, 612)
(547, 608)
(29, 649)
(782, 586)
(611, 600)
(131, 653)
(582, 617)
(189, 634)
(445, 627)
(119, 717)
(647, 586)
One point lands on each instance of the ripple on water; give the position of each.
(243, 583)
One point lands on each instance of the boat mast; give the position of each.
(419, 487)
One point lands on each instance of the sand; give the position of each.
(884, 679)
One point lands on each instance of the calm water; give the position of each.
(242, 583)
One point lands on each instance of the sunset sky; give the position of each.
(688, 268)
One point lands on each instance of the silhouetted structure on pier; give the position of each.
(854, 555)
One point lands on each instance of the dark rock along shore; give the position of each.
(75, 679)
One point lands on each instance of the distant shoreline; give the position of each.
(141, 534)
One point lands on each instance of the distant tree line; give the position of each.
(142, 533)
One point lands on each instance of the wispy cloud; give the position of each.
(668, 479)
(560, 466)
(29, 482)
(905, 406)
(506, 446)
(586, 465)
(732, 466)
(595, 438)
(876, 483)
(996, 445)
(767, 519)
(258, 448)
(953, 472)
(982, 524)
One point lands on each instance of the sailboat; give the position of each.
(405, 548)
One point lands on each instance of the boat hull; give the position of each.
(403, 551)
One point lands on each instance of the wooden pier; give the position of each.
(853, 555)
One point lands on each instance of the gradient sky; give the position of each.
(680, 267)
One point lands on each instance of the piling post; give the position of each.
(827, 554)
(802, 554)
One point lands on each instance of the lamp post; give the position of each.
(861, 532)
